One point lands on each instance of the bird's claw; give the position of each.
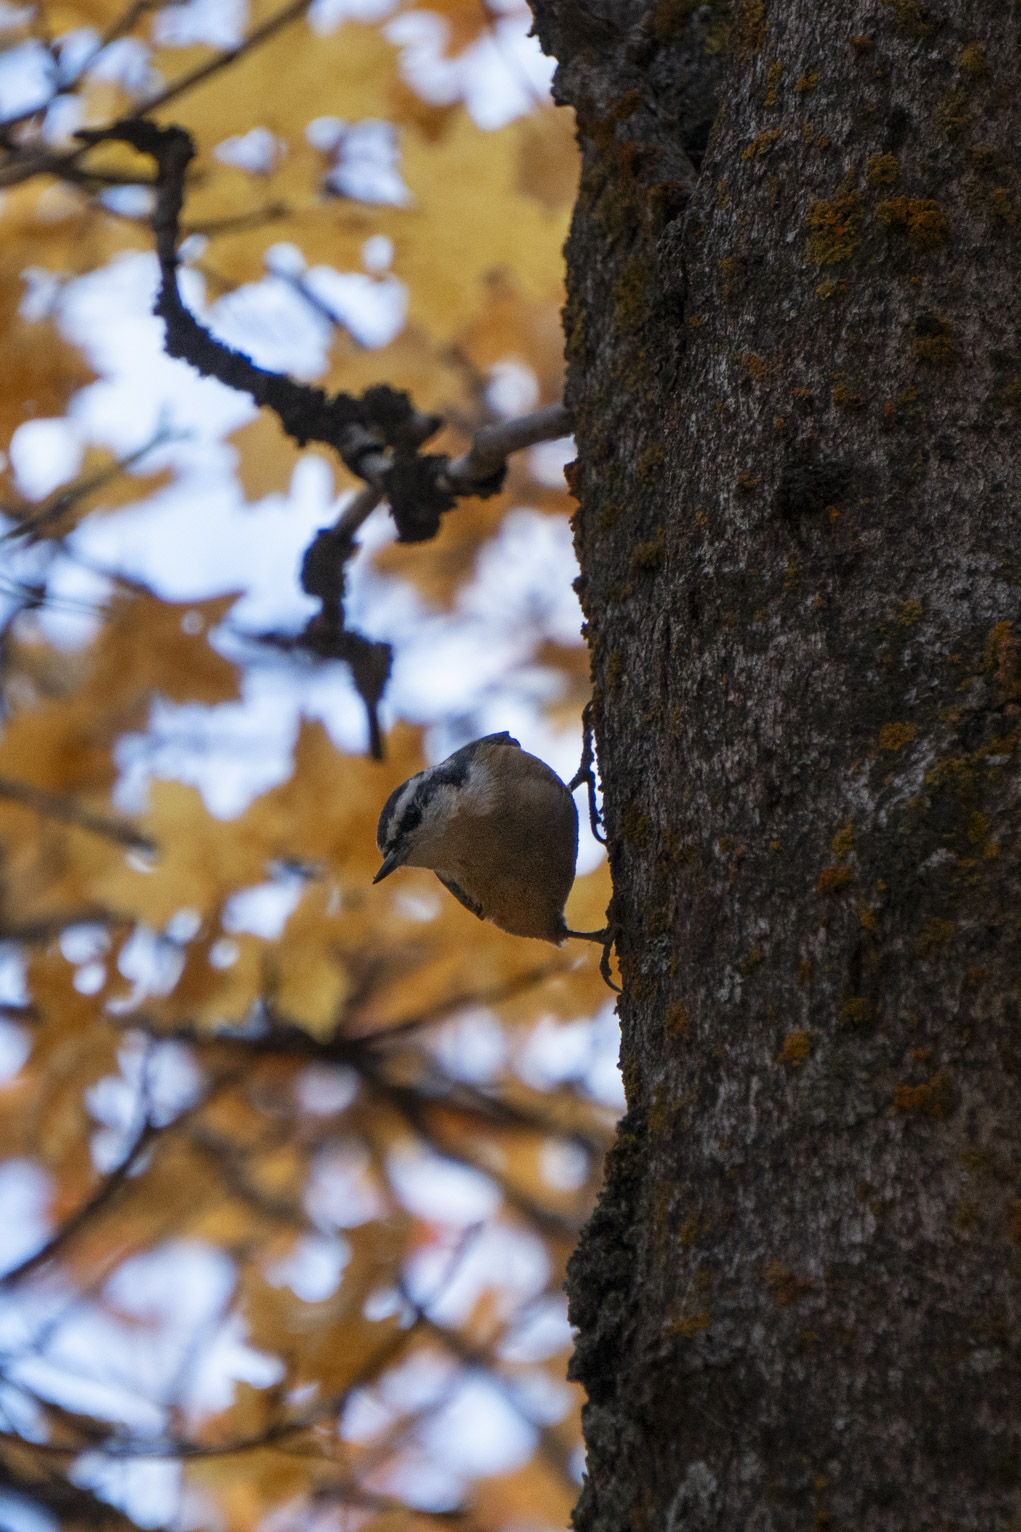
(586, 775)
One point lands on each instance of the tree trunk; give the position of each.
(796, 378)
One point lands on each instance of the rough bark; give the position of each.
(796, 378)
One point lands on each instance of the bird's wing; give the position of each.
(460, 895)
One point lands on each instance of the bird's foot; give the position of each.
(606, 937)
(586, 774)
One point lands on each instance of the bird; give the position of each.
(499, 829)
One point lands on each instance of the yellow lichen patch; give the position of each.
(760, 144)
(953, 115)
(921, 217)
(937, 935)
(893, 736)
(648, 556)
(972, 61)
(930, 1099)
(631, 292)
(693, 1324)
(730, 267)
(832, 879)
(927, 224)
(755, 366)
(857, 1011)
(636, 824)
(978, 828)
(908, 613)
(797, 1047)
(650, 464)
(809, 81)
(834, 229)
(772, 82)
(842, 842)
(883, 169)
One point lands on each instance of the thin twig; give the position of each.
(66, 499)
(224, 59)
(69, 811)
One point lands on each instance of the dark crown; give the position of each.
(453, 772)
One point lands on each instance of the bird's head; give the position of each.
(418, 817)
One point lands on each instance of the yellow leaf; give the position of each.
(148, 645)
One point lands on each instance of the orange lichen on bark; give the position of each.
(1002, 655)
(937, 934)
(831, 879)
(693, 1324)
(676, 1020)
(761, 144)
(893, 736)
(882, 169)
(930, 1099)
(834, 229)
(797, 1047)
(922, 218)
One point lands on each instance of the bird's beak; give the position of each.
(391, 862)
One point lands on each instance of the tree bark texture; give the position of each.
(795, 368)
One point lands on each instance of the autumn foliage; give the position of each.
(302, 1199)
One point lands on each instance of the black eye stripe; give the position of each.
(410, 819)
(386, 827)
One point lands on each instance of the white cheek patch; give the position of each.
(478, 793)
(401, 802)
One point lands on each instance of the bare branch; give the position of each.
(493, 444)
(111, 1185)
(69, 811)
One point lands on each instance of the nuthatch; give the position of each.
(497, 827)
